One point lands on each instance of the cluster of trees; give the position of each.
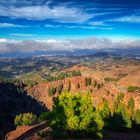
(52, 90)
(119, 76)
(62, 76)
(73, 115)
(97, 84)
(30, 83)
(58, 89)
(94, 83)
(7, 80)
(108, 79)
(25, 119)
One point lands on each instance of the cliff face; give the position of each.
(107, 91)
(40, 91)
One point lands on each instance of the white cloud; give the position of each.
(52, 26)
(78, 26)
(9, 25)
(23, 35)
(63, 14)
(26, 46)
(98, 23)
(3, 40)
(129, 19)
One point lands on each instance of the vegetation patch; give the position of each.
(25, 119)
(62, 76)
(133, 88)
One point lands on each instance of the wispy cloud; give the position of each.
(97, 23)
(52, 26)
(129, 19)
(78, 26)
(10, 25)
(59, 13)
(22, 35)
(63, 13)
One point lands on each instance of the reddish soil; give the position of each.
(22, 132)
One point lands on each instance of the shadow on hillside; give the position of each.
(13, 101)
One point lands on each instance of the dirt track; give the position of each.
(23, 132)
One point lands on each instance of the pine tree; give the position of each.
(87, 82)
(59, 88)
(131, 103)
(78, 85)
(69, 86)
(105, 111)
(137, 117)
(94, 83)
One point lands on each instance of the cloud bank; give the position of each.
(31, 46)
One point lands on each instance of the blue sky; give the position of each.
(63, 19)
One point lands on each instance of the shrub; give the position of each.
(49, 78)
(43, 116)
(133, 88)
(25, 119)
(76, 73)
(30, 83)
(61, 76)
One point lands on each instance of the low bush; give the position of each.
(25, 119)
(133, 88)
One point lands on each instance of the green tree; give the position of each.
(133, 88)
(51, 91)
(105, 111)
(94, 83)
(25, 119)
(98, 86)
(59, 88)
(69, 86)
(121, 119)
(131, 105)
(44, 116)
(137, 117)
(76, 73)
(76, 113)
(87, 81)
(78, 85)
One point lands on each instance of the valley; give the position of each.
(41, 79)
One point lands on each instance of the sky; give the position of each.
(34, 21)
